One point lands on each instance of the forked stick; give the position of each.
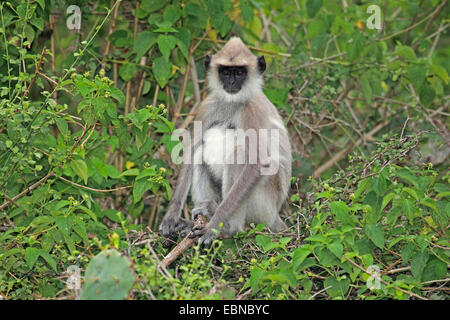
(185, 244)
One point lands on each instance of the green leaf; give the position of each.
(127, 71)
(152, 5)
(140, 186)
(440, 71)
(405, 52)
(408, 176)
(118, 95)
(166, 43)
(162, 70)
(417, 75)
(41, 3)
(386, 199)
(418, 263)
(408, 209)
(300, 254)
(366, 89)
(337, 249)
(89, 212)
(144, 41)
(336, 288)
(112, 214)
(64, 224)
(313, 7)
(427, 95)
(171, 14)
(355, 47)
(31, 256)
(80, 168)
(49, 259)
(341, 211)
(375, 233)
(62, 126)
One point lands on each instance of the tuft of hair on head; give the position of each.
(236, 53)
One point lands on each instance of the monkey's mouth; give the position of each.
(232, 90)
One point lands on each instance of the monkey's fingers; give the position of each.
(197, 231)
(170, 241)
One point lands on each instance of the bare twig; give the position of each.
(93, 189)
(340, 155)
(412, 294)
(36, 72)
(28, 189)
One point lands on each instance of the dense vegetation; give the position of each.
(86, 118)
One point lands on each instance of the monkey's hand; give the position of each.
(172, 224)
(206, 208)
(207, 234)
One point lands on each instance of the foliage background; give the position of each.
(85, 124)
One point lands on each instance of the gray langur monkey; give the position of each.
(233, 194)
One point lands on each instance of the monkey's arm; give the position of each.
(172, 221)
(248, 178)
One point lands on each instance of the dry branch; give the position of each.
(185, 244)
(341, 154)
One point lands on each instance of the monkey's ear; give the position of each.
(207, 61)
(261, 64)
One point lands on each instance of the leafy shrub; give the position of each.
(85, 131)
(373, 235)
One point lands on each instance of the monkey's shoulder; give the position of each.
(260, 113)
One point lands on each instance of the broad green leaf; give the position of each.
(356, 46)
(313, 7)
(408, 209)
(49, 259)
(152, 5)
(62, 126)
(386, 199)
(144, 41)
(440, 71)
(405, 52)
(300, 254)
(427, 95)
(336, 288)
(118, 95)
(64, 224)
(171, 14)
(162, 70)
(80, 168)
(418, 263)
(417, 75)
(337, 249)
(140, 186)
(89, 212)
(127, 71)
(375, 233)
(31, 256)
(341, 211)
(166, 43)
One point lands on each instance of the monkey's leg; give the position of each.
(172, 221)
(205, 192)
(262, 205)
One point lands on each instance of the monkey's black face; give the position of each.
(232, 78)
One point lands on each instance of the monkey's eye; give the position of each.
(226, 73)
(240, 73)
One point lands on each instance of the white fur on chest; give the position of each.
(218, 145)
(218, 148)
